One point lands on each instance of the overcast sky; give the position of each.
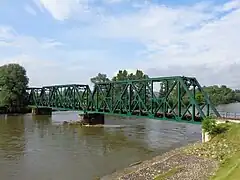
(69, 41)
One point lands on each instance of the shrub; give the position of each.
(210, 126)
(219, 129)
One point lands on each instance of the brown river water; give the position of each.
(40, 148)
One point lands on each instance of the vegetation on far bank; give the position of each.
(14, 81)
(218, 94)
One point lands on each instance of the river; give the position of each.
(40, 148)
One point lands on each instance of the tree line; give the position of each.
(222, 94)
(121, 76)
(218, 94)
(14, 82)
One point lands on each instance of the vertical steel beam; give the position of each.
(193, 105)
(179, 94)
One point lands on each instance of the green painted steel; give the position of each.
(176, 98)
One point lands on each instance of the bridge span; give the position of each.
(177, 98)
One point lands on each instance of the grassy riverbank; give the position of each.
(218, 159)
(223, 148)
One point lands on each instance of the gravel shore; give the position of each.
(172, 165)
(218, 158)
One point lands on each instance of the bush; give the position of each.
(210, 126)
(219, 129)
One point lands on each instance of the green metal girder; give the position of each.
(131, 98)
(73, 97)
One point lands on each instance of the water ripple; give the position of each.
(38, 147)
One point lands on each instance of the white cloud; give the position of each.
(231, 5)
(206, 75)
(215, 42)
(113, 1)
(60, 9)
(38, 4)
(47, 62)
(200, 40)
(6, 33)
(64, 9)
(186, 34)
(51, 43)
(9, 37)
(30, 10)
(44, 70)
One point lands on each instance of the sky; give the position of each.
(70, 41)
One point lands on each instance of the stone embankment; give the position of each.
(198, 161)
(176, 164)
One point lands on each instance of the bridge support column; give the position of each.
(41, 111)
(92, 118)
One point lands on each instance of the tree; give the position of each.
(221, 94)
(13, 84)
(140, 75)
(100, 78)
(199, 98)
(124, 75)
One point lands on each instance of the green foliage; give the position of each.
(13, 84)
(217, 94)
(124, 75)
(210, 126)
(100, 78)
(221, 94)
(219, 129)
(199, 98)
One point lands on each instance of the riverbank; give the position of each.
(216, 159)
(15, 111)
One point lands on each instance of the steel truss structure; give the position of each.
(170, 98)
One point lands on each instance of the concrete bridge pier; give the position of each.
(205, 136)
(41, 111)
(92, 118)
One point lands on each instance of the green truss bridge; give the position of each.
(176, 98)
